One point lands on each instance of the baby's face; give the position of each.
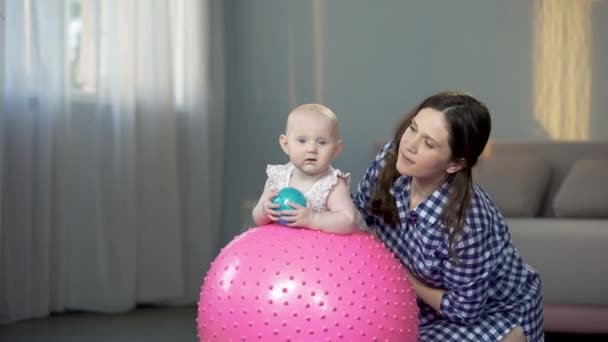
(311, 142)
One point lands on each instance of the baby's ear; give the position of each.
(338, 148)
(283, 143)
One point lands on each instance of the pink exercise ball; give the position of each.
(275, 283)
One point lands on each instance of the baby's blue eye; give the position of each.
(301, 141)
(322, 142)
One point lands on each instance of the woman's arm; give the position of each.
(430, 295)
(362, 197)
(466, 280)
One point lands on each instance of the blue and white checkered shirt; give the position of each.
(489, 288)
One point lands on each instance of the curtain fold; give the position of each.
(110, 199)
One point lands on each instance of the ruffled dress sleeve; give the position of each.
(317, 196)
(278, 176)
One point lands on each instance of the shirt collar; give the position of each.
(429, 210)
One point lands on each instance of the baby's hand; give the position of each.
(270, 209)
(299, 217)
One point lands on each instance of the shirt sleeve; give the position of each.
(365, 189)
(466, 278)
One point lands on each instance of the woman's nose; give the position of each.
(410, 145)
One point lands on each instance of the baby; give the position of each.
(311, 141)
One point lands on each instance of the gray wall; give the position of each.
(599, 70)
(371, 61)
(2, 23)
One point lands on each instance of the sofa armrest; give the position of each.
(569, 254)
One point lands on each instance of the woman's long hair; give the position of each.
(469, 124)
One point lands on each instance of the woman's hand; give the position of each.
(413, 279)
(430, 295)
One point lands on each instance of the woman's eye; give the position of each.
(429, 144)
(412, 128)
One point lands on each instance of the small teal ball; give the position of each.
(289, 195)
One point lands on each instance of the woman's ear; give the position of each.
(456, 166)
(283, 143)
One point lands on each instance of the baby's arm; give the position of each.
(264, 211)
(340, 218)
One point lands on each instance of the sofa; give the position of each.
(554, 196)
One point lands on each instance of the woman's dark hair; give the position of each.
(469, 124)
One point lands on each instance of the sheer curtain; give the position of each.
(111, 161)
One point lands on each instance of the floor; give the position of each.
(149, 324)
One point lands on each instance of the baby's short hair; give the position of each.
(317, 108)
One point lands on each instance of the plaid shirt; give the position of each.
(489, 288)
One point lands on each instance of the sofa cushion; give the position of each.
(517, 185)
(584, 192)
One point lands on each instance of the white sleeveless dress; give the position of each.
(316, 197)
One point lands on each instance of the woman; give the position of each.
(419, 198)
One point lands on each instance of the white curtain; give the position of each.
(111, 193)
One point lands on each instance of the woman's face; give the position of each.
(424, 151)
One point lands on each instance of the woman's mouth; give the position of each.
(407, 159)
